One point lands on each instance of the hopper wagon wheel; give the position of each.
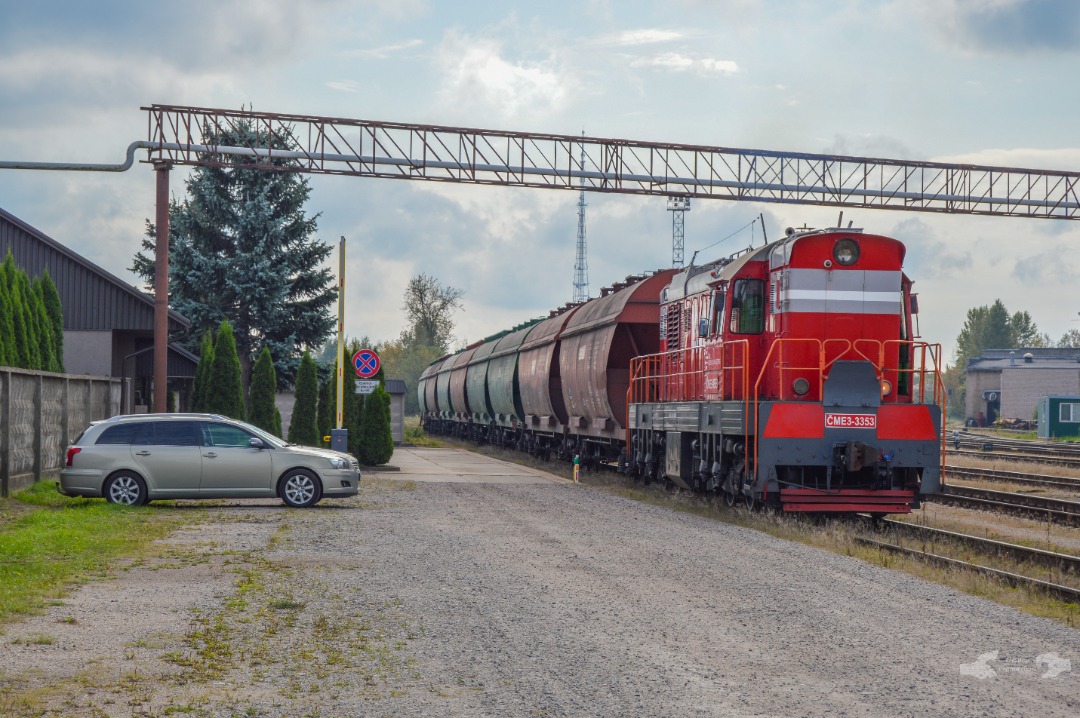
(730, 499)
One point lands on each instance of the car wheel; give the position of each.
(300, 488)
(125, 488)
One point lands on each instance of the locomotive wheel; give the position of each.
(730, 499)
(750, 502)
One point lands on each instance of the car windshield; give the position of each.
(264, 435)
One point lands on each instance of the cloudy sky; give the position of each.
(977, 81)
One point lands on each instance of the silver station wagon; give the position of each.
(139, 458)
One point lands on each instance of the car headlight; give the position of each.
(337, 463)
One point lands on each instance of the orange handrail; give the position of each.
(678, 375)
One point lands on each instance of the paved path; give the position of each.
(458, 466)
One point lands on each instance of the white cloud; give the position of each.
(381, 53)
(477, 74)
(646, 36)
(344, 85)
(681, 63)
(1067, 159)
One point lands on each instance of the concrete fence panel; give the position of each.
(40, 414)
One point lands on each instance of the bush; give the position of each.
(263, 392)
(303, 428)
(376, 439)
(202, 373)
(225, 390)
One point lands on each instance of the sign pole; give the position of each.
(341, 334)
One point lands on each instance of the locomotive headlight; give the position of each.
(846, 252)
(886, 387)
(800, 386)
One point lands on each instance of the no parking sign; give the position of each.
(366, 363)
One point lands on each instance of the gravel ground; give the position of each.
(462, 586)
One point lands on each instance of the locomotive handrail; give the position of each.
(777, 346)
(678, 374)
(880, 366)
(826, 365)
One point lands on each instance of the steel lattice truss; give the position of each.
(323, 145)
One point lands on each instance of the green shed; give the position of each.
(1059, 416)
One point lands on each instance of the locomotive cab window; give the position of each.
(716, 313)
(748, 306)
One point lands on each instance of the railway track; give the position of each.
(1066, 513)
(1015, 477)
(1054, 564)
(1046, 452)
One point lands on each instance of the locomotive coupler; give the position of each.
(852, 456)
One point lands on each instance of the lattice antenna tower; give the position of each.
(581, 264)
(678, 206)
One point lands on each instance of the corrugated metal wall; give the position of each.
(93, 299)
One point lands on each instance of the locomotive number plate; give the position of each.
(851, 421)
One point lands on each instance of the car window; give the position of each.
(120, 434)
(144, 434)
(225, 435)
(174, 433)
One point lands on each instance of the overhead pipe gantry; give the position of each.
(179, 135)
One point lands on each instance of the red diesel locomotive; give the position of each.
(789, 376)
(786, 375)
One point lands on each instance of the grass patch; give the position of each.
(52, 542)
(416, 436)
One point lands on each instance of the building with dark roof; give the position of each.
(1008, 383)
(108, 323)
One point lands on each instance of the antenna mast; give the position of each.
(581, 265)
(678, 206)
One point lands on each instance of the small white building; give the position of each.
(1008, 383)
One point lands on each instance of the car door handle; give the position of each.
(142, 453)
(211, 455)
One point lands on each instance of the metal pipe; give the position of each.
(80, 167)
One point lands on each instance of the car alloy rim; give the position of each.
(125, 490)
(299, 489)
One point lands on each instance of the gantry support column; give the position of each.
(161, 291)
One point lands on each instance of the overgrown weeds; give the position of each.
(52, 543)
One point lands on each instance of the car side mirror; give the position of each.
(256, 443)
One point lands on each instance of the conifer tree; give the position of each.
(8, 350)
(55, 310)
(20, 330)
(224, 391)
(27, 298)
(277, 422)
(376, 439)
(327, 409)
(202, 373)
(263, 392)
(303, 428)
(244, 248)
(46, 346)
